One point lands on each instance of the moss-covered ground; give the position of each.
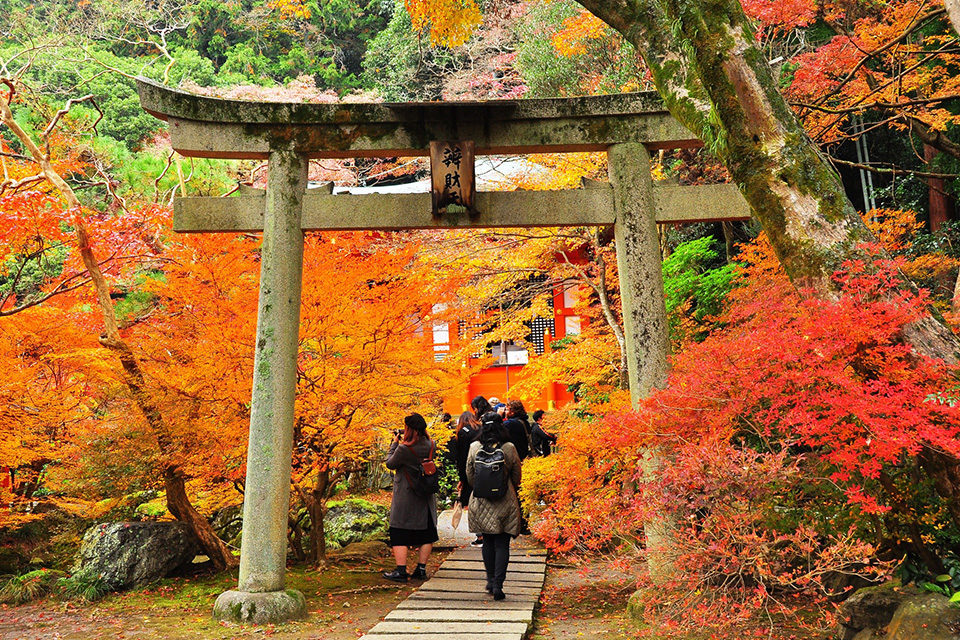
(343, 600)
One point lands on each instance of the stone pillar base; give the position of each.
(260, 608)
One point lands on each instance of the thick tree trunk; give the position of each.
(941, 206)
(715, 81)
(955, 307)
(316, 506)
(953, 12)
(295, 537)
(174, 482)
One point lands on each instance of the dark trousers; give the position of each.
(496, 556)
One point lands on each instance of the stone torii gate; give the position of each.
(288, 135)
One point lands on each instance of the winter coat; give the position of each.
(408, 510)
(519, 436)
(465, 437)
(540, 440)
(496, 516)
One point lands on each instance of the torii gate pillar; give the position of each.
(260, 596)
(645, 326)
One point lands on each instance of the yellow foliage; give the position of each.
(539, 479)
(290, 9)
(930, 265)
(571, 39)
(894, 228)
(451, 22)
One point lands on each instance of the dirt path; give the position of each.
(343, 601)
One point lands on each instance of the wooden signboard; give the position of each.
(453, 182)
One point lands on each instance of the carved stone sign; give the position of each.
(453, 182)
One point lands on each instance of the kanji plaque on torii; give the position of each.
(452, 176)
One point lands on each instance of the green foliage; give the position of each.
(23, 275)
(546, 73)
(29, 586)
(691, 277)
(404, 67)
(945, 241)
(946, 584)
(609, 63)
(449, 478)
(83, 585)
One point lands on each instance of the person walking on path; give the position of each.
(413, 517)
(540, 440)
(493, 469)
(468, 430)
(518, 428)
(518, 432)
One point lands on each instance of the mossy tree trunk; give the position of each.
(714, 80)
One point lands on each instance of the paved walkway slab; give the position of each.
(454, 605)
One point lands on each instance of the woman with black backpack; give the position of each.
(413, 511)
(493, 469)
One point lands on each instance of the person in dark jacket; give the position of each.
(468, 430)
(480, 406)
(518, 428)
(413, 518)
(540, 440)
(499, 519)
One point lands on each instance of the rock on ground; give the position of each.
(126, 554)
(354, 520)
(872, 608)
(228, 522)
(925, 617)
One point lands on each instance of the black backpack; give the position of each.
(490, 474)
(425, 481)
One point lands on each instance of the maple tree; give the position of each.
(797, 428)
(71, 213)
(364, 360)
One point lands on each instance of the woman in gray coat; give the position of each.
(497, 519)
(413, 518)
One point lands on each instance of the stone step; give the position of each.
(478, 603)
(472, 586)
(516, 567)
(419, 629)
(462, 574)
(454, 605)
(529, 598)
(476, 554)
(451, 635)
(461, 615)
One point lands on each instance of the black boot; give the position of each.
(397, 575)
(420, 573)
(498, 593)
(490, 585)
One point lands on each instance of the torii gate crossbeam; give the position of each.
(626, 126)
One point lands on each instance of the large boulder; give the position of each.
(925, 617)
(354, 520)
(872, 607)
(228, 522)
(126, 554)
